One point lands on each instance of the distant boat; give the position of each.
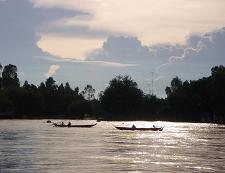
(48, 121)
(139, 128)
(78, 125)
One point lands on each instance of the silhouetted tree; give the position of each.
(218, 70)
(0, 76)
(5, 102)
(50, 84)
(65, 96)
(9, 76)
(176, 83)
(88, 93)
(121, 100)
(216, 88)
(168, 91)
(25, 102)
(121, 97)
(188, 100)
(76, 90)
(42, 86)
(80, 108)
(151, 107)
(26, 85)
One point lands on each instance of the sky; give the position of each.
(92, 41)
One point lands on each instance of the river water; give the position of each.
(35, 146)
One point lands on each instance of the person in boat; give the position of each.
(133, 127)
(62, 124)
(154, 126)
(69, 124)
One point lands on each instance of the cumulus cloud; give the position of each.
(198, 58)
(149, 20)
(121, 49)
(124, 50)
(210, 48)
(63, 47)
(189, 61)
(152, 22)
(52, 70)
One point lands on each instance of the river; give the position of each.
(37, 147)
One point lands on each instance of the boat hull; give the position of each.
(81, 125)
(131, 128)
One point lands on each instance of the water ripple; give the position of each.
(33, 146)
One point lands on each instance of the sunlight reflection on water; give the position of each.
(35, 146)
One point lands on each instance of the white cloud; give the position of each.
(73, 48)
(197, 58)
(210, 48)
(151, 21)
(187, 51)
(68, 4)
(121, 49)
(52, 70)
(92, 62)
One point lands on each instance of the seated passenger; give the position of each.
(69, 124)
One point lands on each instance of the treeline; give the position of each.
(200, 100)
(46, 100)
(195, 101)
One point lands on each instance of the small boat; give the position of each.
(48, 121)
(78, 125)
(140, 128)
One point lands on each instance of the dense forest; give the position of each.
(193, 101)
